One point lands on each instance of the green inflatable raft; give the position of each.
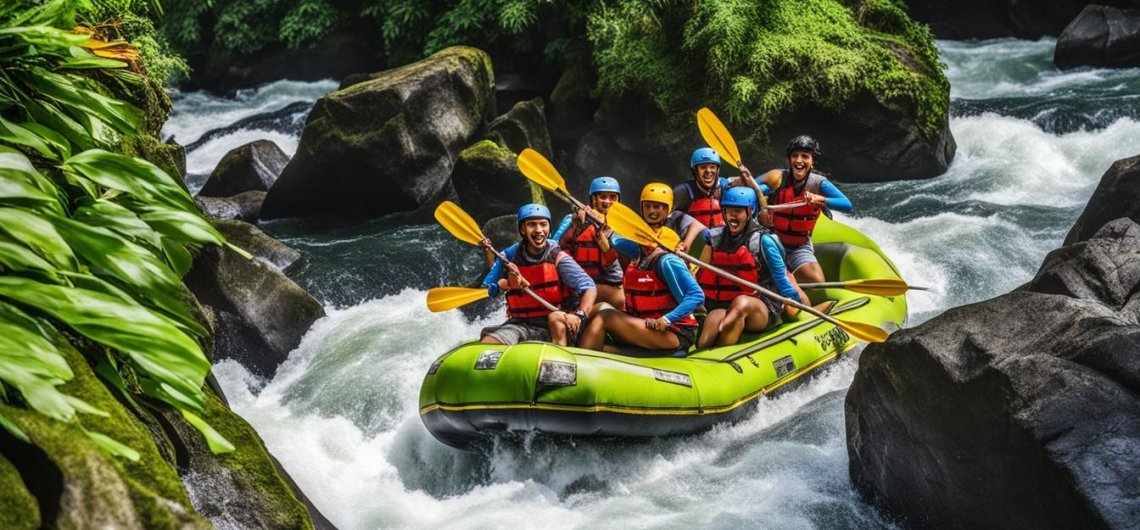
(478, 391)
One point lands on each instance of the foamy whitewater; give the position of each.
(342, 416)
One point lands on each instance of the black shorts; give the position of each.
(686, 335)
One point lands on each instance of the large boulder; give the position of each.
(250, 167)
(1100, 36)
(387, 144)
(245, 206)
(521, 127)
(1020, 411)
(985, 19)
(1117, 195)
(488, 182)
(260, 315)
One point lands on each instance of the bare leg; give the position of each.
(711, 328)
(745, 312)
(556, 323)
(809, 273)
(631, 330)
(487, 339)
(613, 295)
(593, 335)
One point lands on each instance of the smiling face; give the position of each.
(801, 162)
(654, 213)
(534, 232)
(735, 218)
(706, 175)
(603, 200)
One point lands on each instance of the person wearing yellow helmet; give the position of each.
(660, 293)
(657, 209)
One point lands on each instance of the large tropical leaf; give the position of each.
(39, 235)
(131, 175)
(151, 341)
(14, 166)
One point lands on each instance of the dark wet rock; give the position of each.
(503, 231)
(241, 207)
(512, 88)
(521, 127)
(488, 182)
(334, 56)
(250, 167)
(1117, 195)
(260, 314)
(985, 19)
(1100, 36)
(1019, 411)
(388, 144)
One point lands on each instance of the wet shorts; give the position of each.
(516, 330)
(799, 256)
(686, 335)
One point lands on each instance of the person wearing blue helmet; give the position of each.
(745, 248)
(700, 197)
(554, 276)
(590, 246)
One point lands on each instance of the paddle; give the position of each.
(630, 225)
(447, 298)
(540, 171)
(462, 226)
(716, 135)
(875, 286)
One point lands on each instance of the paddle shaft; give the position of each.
(750, 285)
(541, 300)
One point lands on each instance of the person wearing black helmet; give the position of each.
(794, 227)
(553, 275)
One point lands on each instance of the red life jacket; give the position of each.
(794, 226)
(544, 281)
(740, 262)
(646, 295)
(705, 209)
(585, 251)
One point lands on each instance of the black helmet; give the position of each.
(805, 143)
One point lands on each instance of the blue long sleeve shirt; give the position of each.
(569, 272)
(833, 198)
(674, 273)
(562, 228)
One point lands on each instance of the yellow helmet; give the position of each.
(657, 192)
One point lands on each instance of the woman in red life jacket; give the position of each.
(590, 247)
(794, 227)
(743, 247)
(554, 276)
(660, 294)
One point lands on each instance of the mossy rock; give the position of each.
(18, 508)
(488, 182)
(170, 158)
(388, 144)
(77, 485)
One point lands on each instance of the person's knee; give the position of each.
(487, 339)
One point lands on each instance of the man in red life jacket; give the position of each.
(590, 247)
(700, 197)
(794, 227)
(743, 247)
(537, 263)
(660, 295)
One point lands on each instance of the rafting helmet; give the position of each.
(657, 192)
(704, 155)
(603, 184)
(531, 211)
(805, 143)
(739, 197)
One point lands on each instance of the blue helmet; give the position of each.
(530, 211)
(704, 155)
(601, 184)
(739, 197)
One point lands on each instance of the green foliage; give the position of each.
(759, 60)
(92, 243)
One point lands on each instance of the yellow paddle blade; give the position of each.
(668, 237)
(716, 135)
(446, 298)
(863, 332)
(456, 221)
(631, 226)
(539, 170)
(875, 286)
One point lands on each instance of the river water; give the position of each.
(341, 413)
